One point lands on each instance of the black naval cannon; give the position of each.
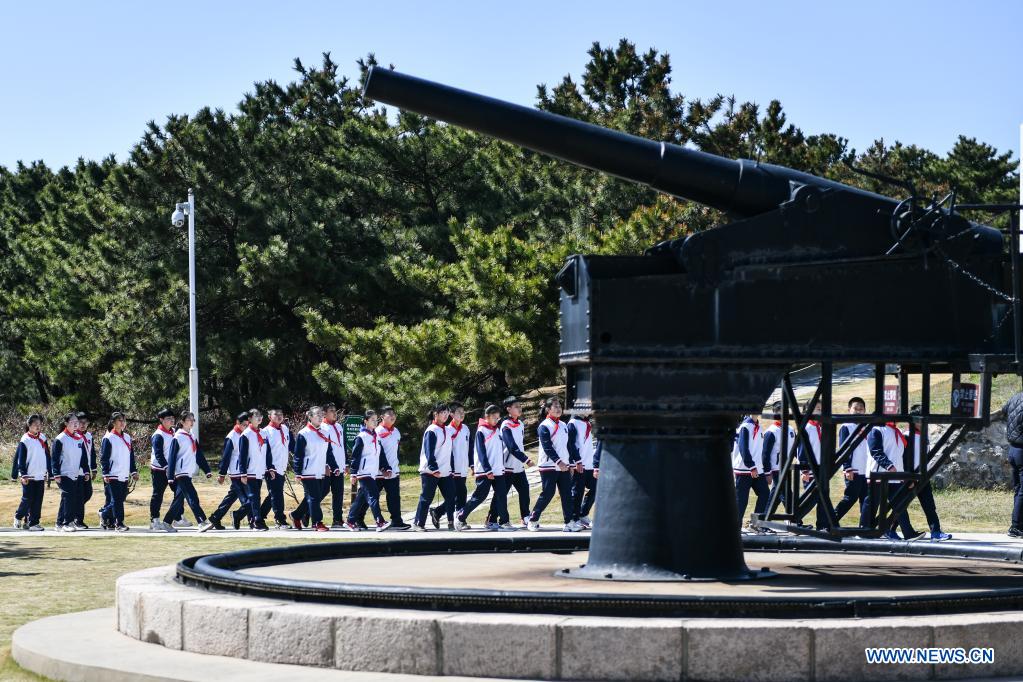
(669, 349)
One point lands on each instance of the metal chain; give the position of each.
(994, 332)
(969, 275)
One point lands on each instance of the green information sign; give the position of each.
(352, 424)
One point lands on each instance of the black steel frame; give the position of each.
(797, 504)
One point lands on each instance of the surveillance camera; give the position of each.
(178, 219)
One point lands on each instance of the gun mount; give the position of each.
(667, 350)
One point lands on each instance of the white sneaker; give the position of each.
(532, 525)
(525, 522)
(79, 526)
(68, 528)
(507, 527)
(182, 523)
(158, 526)
(36, 528)
(584, 522)
(461, 525)
(167, 527)
(205, 526)
(17, 523)
(571, 527)
(493, 526)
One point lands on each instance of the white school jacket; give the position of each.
(442, 450)
(256, 451)
(35, 456)
(120, 455)
(459, 438)
(775, 429)
(583, 441)
(279, 440)
(389, 439)
(860, 457)
(756, 441)
(366, 455)
(72, 451)
(894, 444)
(516, 428)
(559, 440)
(488, 450)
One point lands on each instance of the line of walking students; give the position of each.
(756, 463)
(569, 461)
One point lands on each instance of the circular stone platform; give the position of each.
(153, 607)
(528, 574)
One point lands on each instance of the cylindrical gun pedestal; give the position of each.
(665, 506)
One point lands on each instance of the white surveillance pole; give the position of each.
(178, 220)
(193, 369)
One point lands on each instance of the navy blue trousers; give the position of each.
(31, 506)
(743, 484)
(368, 497)
(871, 504)
(159, 488)
(70, 500)
(1016, 462)
(554, 481)
(520, 482)
(392, 489)
(584, 491)
(274, 499)
(430, 486)
(238, 492)
(855, 494)
(184, 491)
(499, 503)
(310, 505)
(114, 514)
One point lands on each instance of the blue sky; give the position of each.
(83, 78)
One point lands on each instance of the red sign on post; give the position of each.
(891, 399)
(964, 399)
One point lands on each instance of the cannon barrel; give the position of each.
(740, 187)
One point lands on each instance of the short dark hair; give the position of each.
(491, 409)
(242, 416)
(83, 416)
(369, 415)
(509, 401)
(114, 417)
(253, 412)
(439, 407)
(385, 409)
(455, 405)
(69, 416)
(164, 413)
(329, 406)
(776, 409)
(857, 399)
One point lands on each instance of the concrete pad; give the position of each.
(839, 648)
(92, 651)
(298, 633)
(621, 649)
(219, 625)
(734, 650)
(1001, 631)
(478, 644)
(389, 641)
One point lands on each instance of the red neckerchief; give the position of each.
(457, 428)
(42, 441)
(387, 431)
(237, 430)
(777, 423)
(484, 424)
(443, 431)
(557, 425)
(370, 432)
(897, 432)
(333, 426)
(588, 428)
(816, 425)
(119, 435)
(167, 431)
(317, 432)
(756, 429)
(187, 433)
(514, 422)
(74, 436)
(284, 441)
(259, 436)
